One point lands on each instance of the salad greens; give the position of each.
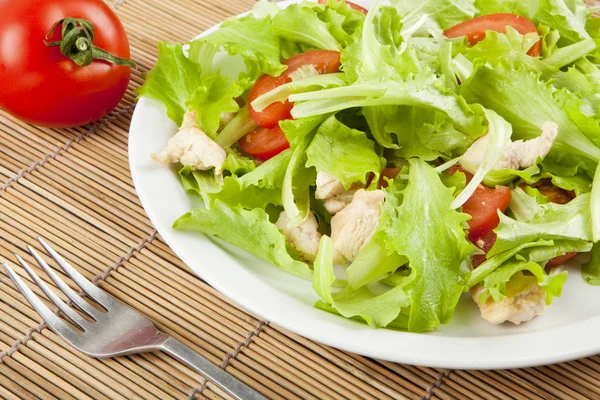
(405, 106)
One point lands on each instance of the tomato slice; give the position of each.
(551, 191)
(351, 5)
(474, 29)
(483, 207)
(485, 243)
(324, 61)
(264, 143)
(560, 260)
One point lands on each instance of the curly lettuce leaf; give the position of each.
(254, 40)
(300, 24)
(550, 221)
(566, 16)
(505, 279)
(345, 153)
(215, 95)
(436, 251)
(378, 310)
(173, 80)
(591, 270)
(249, 230)
(595, 206)
(526, 102)
(432, 17)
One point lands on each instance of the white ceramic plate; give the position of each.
(568, 330)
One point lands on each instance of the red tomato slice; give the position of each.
(351, 5)
(264, 143)
(483, 207)
(324, 61)
(474, 29)
(485, 243)
(560, 260)
(389, 173)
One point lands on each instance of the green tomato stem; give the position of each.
(77, 44)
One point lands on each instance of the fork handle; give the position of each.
(219, 377)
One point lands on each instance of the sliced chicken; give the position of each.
(518, 155)
(304, 238)
(332, 192)
(192, 147)
(354, 226)
(528, 301)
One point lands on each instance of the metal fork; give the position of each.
(118, 331)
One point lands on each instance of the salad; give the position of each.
(397, 157)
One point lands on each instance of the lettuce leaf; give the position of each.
(499, 282)
(249, 230)
(595, 206)
(300, 24)
(591, 270)
(215, 95)
(434, 16)
(345, 153)
(566, 16)
(436, 251)
(550, 221)
(254, 40)
(526, 102)
(378, 310)
(173, 80)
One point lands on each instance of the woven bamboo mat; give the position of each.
(74, 188)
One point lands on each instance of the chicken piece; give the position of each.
(192, 147)
(332, 192)
(518, 155)
(525, 299)
(304, 238)
(354, 226)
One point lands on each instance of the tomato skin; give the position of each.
(483, 207)
(41, 86)
(352, 5)
(484, 243)
(324, 61)
(475, 28)
(560, 260)
(264, 143)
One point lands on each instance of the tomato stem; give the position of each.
(77, 43)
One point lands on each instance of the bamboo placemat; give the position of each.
(74, 188)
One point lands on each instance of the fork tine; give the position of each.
(75, 298)
(68, 311)
(53, 321)
(93, 291)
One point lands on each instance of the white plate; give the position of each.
(568, 330)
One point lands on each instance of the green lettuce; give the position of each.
(550, 221)
(434, 292)
(595, 206)
(432, 17)
(302, 25)
(591, 270)
(496, 283)
(249, 230)
(345, 153)
(526, 102)
(173, 80)
(254, 40)
(566, 16)
(378, 310)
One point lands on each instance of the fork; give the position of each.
(118, 331)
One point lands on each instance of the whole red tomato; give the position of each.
(40, 85)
